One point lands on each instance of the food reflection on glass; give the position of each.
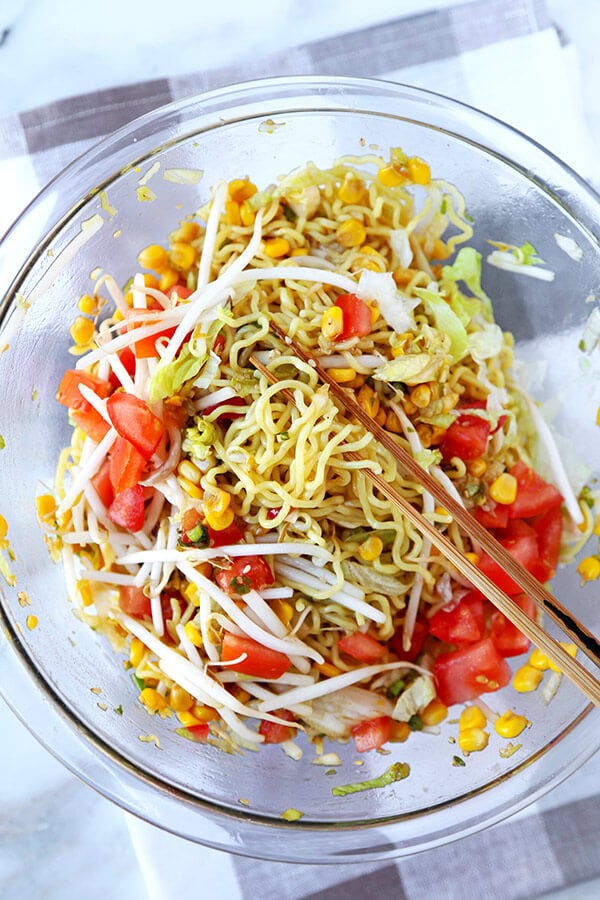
(215, 531)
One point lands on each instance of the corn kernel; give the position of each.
(472, 557)
(190, 592)
(589, 568)
(527, 679)
(504, 489)
(332, 323)
(571, 649)
(472, 739)
(179, 699)
(472, 717)
(357, 381)
(193, 634)
(87, 304)
(187, 231)
(203, 713)
(82, 330)
(152, 700)
(399, 731)
(219, 522)
(352, 190)
(418, 170)
(136, 652)
(189, 470)
(275, 248)
(477, 467)
(240, 189)
(510, 725)
(351, 233)
(421, 395)
(341, 375)
(247, 214)
(153, 257)
(45, 505)
(3, 527)
(187, 717)
(192, 490)
(328, 669)
(449, 401)
(539, 660)
(374, 310)
(283, 610)
(232, 213)
(217, 502)
(182, 256)
(434, 713)
(168, 279)
(371, 549)
(425, 433)
(85, 592)
(32, 621)
(392, 423)
(390, 176)
(403, 276)
(368, 400)
(240, 693)
(598, 416)
(381, 417)
(300, 251)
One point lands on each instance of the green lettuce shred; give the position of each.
(446, 321)
(199, 439)
(168, 379)
(396, 772)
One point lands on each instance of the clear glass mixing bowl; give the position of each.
(515, 192)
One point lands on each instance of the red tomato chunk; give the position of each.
(372, 734)
(420, 631)
(356, 317)
(362, 647)
(127, 509)
(466, 438)
(461, 621)
(469, 671)
(246, 573)
(135, 421)
(259, 661)
(274, 733)
(534, 495)
(507, 638)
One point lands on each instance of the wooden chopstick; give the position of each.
(543, 599)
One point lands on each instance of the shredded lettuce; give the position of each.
(168, 379)
(396, 772)
(413, 368)
(400, 244)
(446, 321)
(467, 268)
(199, 439)
(414, 698)
(485, 344)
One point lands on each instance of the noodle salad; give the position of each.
(209, 521)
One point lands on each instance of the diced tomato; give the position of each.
(91, 423)
(231, 535)
(134, 602)
(362, 647)
(534, 495)
(246, 573)
(273, 512)
(356, 317)
(492, 514)
(127, 357)
(102, 484)
(259, 661)
(198, 732)
(469, 671)
(507, 638)
(420, 631)
(372, 734)
(548, 528)
(127, 509)
(219, 343)
(274, 733)
(226, 415)
(460, 622)
(466, 438)
(145, 348)
(68, 390)
(126, 465)
(520, 540)
(135, 421)
(180, 291)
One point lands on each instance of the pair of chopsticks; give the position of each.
(543, 599)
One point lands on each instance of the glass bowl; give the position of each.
(516, 192)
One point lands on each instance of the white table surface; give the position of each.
(58, 839)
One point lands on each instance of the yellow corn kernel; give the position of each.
(136, 652)
(187, 231)
(283, 610)
(187, 469)
(82, 330)
(449, 401)
(341, 375)
(219, 522)
(390, 176)
(434, 713)
(240, 189)
(232, 213)
(527, 679)
(418, 170)
(472, 557)
(371, 549)
(182, 256)
(240, 693)
(399, 732)
(275, 248)
(45, 505)
(473, 739)
(392, 423)
(440, 250)
(421, 395)
(477, 467)
(247, 214)
(357, 381)
(328, 669)
(217, 501)
(401, 343)
(168, 279)
(152, 700)
(425, 433)
(203, 713)
(87, 304)
(589, 568)
(300, 251)
(403, 276)
(504, 489)
(153, 257)
(368, 400)
(31, 621)
(352, 190)
(192, 490)
(186, 717)
(190, 592)
(351, 233)
(472, 717)
(374, 310)
(179, 699)
(539, 660)
(510, 725)
(85, 592)
(332, 323)
(3, 527)
(381, 417)
(193, 634)
(598, 416)
(571, 649)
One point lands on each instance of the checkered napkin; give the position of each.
(506, 57)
